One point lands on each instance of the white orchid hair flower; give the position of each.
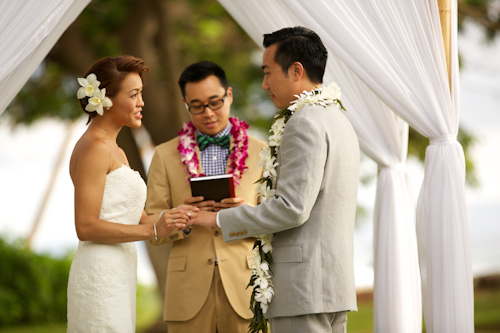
(98, 102)
(97, 97)
(88, 86)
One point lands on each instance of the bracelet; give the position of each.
(156, 234)
(159, 217)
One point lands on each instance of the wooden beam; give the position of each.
(445, 17)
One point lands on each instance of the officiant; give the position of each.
(206, 278)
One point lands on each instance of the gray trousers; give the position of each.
(335, 322)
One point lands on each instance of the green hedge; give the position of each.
(33, 287)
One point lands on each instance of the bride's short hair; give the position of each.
(111, 71)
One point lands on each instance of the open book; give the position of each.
(213, 187)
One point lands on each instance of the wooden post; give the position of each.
(445, 17)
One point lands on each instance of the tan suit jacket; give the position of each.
(191, 263)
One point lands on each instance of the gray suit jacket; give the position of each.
(311, 216)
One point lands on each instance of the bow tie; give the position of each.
(205, 140)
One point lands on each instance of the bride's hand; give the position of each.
(185, 208)
(175, 218)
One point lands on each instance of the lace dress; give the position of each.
(103, 277)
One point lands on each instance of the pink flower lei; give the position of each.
(187, 149)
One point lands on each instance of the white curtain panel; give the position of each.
(383, 137)
(396, 48)
(28, 31)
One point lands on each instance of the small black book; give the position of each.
(213, 187)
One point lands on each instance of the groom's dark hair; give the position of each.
(199, 71)
(302, 45)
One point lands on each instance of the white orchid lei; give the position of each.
(97, 97)
(263, 290)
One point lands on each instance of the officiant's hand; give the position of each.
(229, 203)
(198, 202)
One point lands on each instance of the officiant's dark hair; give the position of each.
(111, 71)
(302, 45)
(199, 71)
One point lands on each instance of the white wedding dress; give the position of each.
(103, 277)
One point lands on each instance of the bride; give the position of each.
(109, 202)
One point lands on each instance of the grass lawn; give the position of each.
(362, 320)
(52, 328)
(486, 314)
(487, 311)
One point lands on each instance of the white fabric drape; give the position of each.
(383, 137)
(396, 48)
(28, 31)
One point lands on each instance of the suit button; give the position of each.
(244, 232)
(231, 234)
(216, 233)
(210, 261)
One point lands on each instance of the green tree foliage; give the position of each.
(33, 287)
(169, 35)
(202, 29)
(484, 12)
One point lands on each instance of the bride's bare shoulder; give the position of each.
(90, 151)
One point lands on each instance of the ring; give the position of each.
(174, 220)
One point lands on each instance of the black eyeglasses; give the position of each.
(213, 105)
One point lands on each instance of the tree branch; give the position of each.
(478, 14)
(163, 115)
(72, 51)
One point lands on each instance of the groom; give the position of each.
(312, 211)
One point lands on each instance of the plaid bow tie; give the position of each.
(205, 140)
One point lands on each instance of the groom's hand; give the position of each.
(198, 202)
(204, 218)
(229, 203)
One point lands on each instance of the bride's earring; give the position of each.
(107, 108)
